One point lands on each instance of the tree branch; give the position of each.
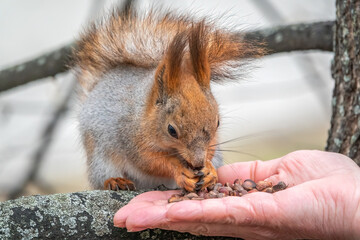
(46, 65)
(80, 215)
(296, 37)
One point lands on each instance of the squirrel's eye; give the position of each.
(172, 131)
(218, 123)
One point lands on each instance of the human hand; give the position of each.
(322, 201)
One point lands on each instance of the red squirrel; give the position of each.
(148, 116)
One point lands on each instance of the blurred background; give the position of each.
(284, 104)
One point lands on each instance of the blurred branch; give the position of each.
(289, 37)
(79, 215)
(296, 37)
(46, 140)
(46, 65)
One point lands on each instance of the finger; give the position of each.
(246, 210)
(218, 213)
(145, 200)
(255, 170)
(154, 196)
(227, 230)
(122, 214)
(229, 210)
(147, 217)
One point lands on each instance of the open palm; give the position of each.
(322, 201)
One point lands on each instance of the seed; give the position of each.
(261, 185)
(214, 191)
(175, 198)
(217, 186)
(243, 192)
(198, 198)
(225, 190)
(237, 181)
(268, 190)
(221, 195)
(201, 193)
(279, 186)
(213, 194)
(249, 184)
(234, 193)
(192, 195)
(238, 187)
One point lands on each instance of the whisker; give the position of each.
(241, 152)
(167, 155)
(234, 139)
(242, 138)
(212, 154)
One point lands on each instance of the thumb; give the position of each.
(255, 170)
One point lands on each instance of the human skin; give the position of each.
(322, 201)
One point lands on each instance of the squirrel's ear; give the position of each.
(198, 43)
(159, 85)
(173, 63)
(168, 73)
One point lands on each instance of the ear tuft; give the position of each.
(198, 43)
(161, 96)
(173, 62)
(168, 73)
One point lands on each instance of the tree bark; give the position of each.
(81, 215)
(344, 134)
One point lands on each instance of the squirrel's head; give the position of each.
(183, 112)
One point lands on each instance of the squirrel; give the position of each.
(148, 116)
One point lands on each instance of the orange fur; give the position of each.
(143, 40)
(118, 184)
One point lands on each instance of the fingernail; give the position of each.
(119, 225)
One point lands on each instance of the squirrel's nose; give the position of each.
(198, 159)
(198, 164)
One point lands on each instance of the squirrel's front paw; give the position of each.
(188, 179)
(195, 180)
(209, 176)
(117, 184)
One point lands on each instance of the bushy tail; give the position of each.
(143, 40)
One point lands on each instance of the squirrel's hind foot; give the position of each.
(117, 184)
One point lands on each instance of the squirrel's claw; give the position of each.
(186, 179)
(117, 184)
(193, 181)
(199, 185)
(209, 178)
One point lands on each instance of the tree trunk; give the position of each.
(344, 134)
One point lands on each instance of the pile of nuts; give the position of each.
(238, 188)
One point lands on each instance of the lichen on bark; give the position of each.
(344, 135)
(80, 215)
